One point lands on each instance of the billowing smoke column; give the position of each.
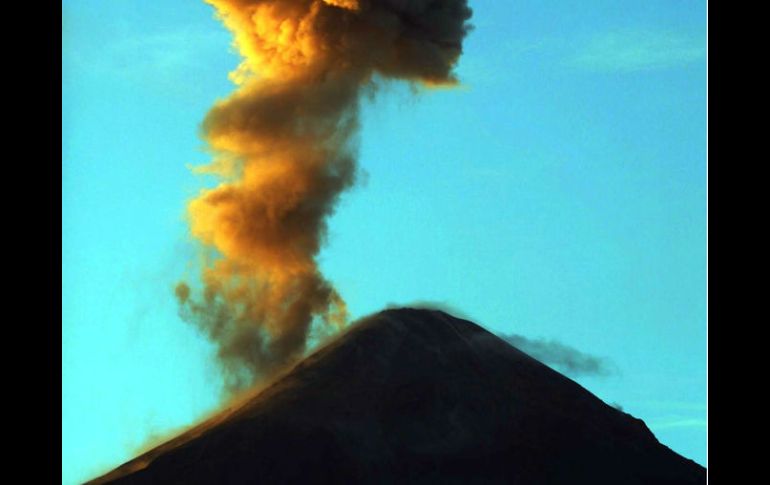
(283, 148)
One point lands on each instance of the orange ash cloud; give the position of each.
(284, 150)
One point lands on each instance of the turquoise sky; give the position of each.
(560, 193)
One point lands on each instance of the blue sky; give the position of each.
(559, 193)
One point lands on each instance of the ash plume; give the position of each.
(283, 146)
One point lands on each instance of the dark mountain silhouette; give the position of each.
(416, 396)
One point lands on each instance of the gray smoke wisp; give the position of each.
(564, 358)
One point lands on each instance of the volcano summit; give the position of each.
(416, 396)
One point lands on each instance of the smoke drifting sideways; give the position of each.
(567, 359)
(283, 148)
(564, 358)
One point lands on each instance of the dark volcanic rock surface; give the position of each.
(417, 396)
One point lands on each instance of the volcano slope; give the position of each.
(416, 396)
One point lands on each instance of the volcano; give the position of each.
(416, 396)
